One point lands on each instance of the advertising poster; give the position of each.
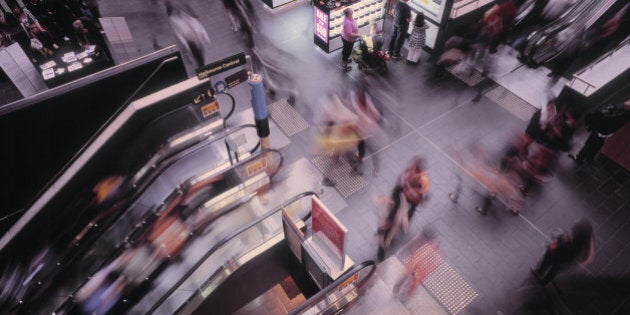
(320, 24)
(327, 229)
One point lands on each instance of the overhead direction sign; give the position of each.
(221, 65)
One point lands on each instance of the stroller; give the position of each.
(369, 55)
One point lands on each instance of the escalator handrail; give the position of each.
(224, 241)
(624, 43)
(599, 13)
(558, 26)
(146, 180)
(201, 145)
(121, 246)
(564, 20)
(323, 293)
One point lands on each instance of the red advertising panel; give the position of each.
(326, 225)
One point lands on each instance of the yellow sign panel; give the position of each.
(210, 109)
(256, 167)
(348, 282)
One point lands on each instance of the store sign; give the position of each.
(327, 228)
(221, 65)
(320, 24)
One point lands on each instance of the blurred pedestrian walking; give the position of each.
(188, 30)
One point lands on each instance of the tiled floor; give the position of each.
(434, 118)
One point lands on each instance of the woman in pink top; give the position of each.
(349, 34)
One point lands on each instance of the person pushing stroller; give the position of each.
(368, 55)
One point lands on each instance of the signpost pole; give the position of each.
(259, 104)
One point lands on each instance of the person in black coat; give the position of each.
(601, 124)
(402, 17)
(566, 250)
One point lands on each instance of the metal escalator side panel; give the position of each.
(340, 293)
(178, 201)
(176, 144)
(533, 52)
(208, 280)
(576, 31)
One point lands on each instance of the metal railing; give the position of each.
(346, 282)
(212, 282)
(578, 76)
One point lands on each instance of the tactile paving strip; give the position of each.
(340, 171)
(449, 288)
(511, 102)
(287, 118)
(470, 76)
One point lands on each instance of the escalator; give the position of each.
(578, 28)
(207, 156)
(162, 243)
(66, 219)
(250, 263)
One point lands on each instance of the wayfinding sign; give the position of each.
(221, 65)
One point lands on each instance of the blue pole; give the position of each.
(259, 104)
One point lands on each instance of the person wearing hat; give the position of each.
(402, 17)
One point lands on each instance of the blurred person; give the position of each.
(566, 250)
(455, 50)
(500, 183)
(409, 191)
(505, 11)
(272, 66)
(43, 36)
(40, 42)
(602, 124)
(540, 121)
(61, 17)
(368, 54)
(402, 18)
(555, 8)
(5, 39)
(575, 45)
(26, 18)
(87, 33)
(422, 255)
(338, 132)
(526, 26)
(349, 34)
(417, 39)
(188, 30)
(242, 16)
(92, 7)
(369, 124)
(231, 8)
(536, 167)
(489, 33)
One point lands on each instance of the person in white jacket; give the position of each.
(189, 31)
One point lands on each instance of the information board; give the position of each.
(328, 231)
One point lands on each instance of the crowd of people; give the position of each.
(41, 27)
(529, 159)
